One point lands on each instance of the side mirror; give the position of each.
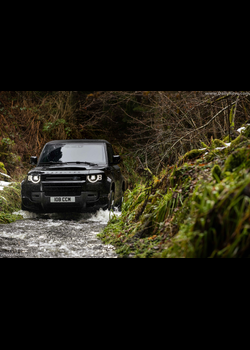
(33, 160)
(116, 159)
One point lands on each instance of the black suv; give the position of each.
(74, 175)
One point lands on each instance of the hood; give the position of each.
(64, 168)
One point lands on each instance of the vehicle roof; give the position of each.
(82, 140)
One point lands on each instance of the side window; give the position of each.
(110, 153)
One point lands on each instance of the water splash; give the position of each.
(27, 214)
(101, 216)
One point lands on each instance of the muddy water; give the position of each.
(55, 236)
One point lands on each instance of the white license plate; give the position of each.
(62, 199)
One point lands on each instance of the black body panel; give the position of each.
(64, 181)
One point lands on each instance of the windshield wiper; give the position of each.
(81, 163)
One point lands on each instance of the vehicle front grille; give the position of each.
(63, 177)
(67, 189)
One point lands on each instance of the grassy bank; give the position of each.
(199, 208)
(10, 197)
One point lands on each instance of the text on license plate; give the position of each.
(62, 199)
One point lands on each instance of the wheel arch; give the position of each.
(124, 186)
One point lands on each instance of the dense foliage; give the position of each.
(198, 208)
(188, 189)
(10, 202)
(152, 127)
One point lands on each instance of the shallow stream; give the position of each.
(55, 236)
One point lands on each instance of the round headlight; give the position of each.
(34, 178)
(94, 178)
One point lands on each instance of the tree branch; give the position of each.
(233, 121)
(201, 127)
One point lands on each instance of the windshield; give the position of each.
(73, 152)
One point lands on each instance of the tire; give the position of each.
(120, 203)
(111, 200)
(24, 208)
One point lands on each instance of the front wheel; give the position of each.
(23, 207)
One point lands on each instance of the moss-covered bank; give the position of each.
(10, 198)
(198, 209)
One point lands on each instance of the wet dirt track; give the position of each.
(55, 236)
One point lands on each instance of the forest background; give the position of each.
(149, 129)
(186, 159)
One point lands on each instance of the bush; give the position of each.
(2, 168)
(216, 173)
(236, 159)
(10, 201)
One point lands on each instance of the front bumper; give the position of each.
(91, 198)
(82, 203)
